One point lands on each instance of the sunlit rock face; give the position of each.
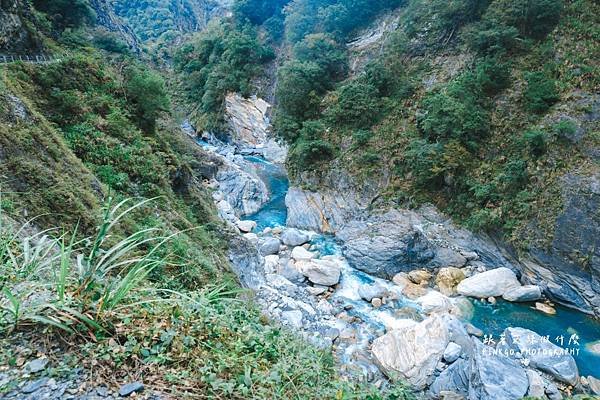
(412, 352)
(251, 127)
(368, 43)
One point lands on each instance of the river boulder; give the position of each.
(453, 379)
(413, 352)
(434, 302)
(369, 292)
(293, 237)
(386, 244)
(452, 352)
(523, 293)
(300, 253)
(246, 226)
(448, 278)
(541, 353)
(494, 376)
(490, 283)
(270, 246)
(320, 272)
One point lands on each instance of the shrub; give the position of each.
(565, 129)
(492, 37)
(536, 142)
(533, 18)
(306, 153)
(147, 91)
(424, 160)
(370, 158)
(513, 176)
(541, 92)
(454, 113)
(358, 105)
(492, 76)
(378, 76)
(110, 42)
(361, 137)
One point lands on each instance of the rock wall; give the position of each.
(369, 42)
(15, 35)
(110, 21)
(251, 127)
(385, 241)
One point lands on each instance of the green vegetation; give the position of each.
(66, 13)
(217, 61)
(204, 342)
(541, 92)
(470, 142)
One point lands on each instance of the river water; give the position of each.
(570, 325)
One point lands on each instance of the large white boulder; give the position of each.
(301, 254)
(434, 302)
(293, 237)
(412, 352)
(490, 283)
(246, 226)
(321, 272)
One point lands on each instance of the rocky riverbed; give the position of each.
(399, 294)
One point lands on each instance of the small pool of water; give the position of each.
(274, 212)
(493, 319)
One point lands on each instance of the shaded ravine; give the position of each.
(492, 319)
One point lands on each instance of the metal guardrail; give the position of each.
(33, 59)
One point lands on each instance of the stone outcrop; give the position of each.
(369, 42)
(386, 244)
(15, 36)
(413, 352)
(491, 283)
(244, 191)
(494, 376)
(251, 127)
(570, 267)
(319, 212)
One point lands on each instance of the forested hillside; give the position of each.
(110, 246)
(478, 107)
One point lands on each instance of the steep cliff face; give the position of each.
(16, 37)
(152, 20)
(107, 18)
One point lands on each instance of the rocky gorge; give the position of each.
(395, 293)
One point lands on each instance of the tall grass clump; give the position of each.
(74, 284)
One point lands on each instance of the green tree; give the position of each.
(299, 88)
(358, 105)
(324, 51)
(455, 112)
(67, 13)
(146, 90)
